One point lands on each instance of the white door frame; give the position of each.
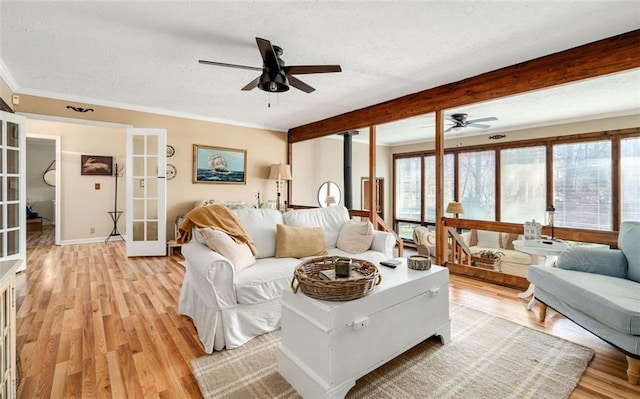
(22, 189)
(56, 210)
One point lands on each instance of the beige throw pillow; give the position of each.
(238, 253)
(488, 239)
(299, 242)
(355, 237)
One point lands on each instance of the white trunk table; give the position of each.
(326, 346)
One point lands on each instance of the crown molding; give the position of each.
(138, 108)
(7, 77)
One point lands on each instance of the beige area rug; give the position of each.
(488, 357)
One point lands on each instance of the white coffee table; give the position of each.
(547, 250)
(326, 346)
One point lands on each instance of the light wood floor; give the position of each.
(93, 323)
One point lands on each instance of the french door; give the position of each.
(13, 188)
(146, 192)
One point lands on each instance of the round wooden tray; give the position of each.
(308, 280)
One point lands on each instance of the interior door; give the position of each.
(146, 192)
(13, 186)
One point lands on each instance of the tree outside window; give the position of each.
(477, 180)
(523, 184)
(582, 185)
(630, 178)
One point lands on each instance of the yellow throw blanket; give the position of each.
(217, 217)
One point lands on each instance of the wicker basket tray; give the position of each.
(308, 280)
(486, 263)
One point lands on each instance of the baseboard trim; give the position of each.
(89, 240)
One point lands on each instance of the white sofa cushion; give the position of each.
(330, 219)
(488, 239)
(265, 280)
(238, 253)
(261, 226)
(355, 236)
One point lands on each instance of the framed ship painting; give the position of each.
(219, 165)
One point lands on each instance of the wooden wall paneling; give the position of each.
(456, 177)
(565, 233)
(441, 238)
(423, 190)
(614, 54)
(290, 182)
(498, 186)
(616, 184)
(549, 165)
(372, 174)
(507, 280)
(394, 202)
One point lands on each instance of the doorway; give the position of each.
(379, 190)
(43, 184)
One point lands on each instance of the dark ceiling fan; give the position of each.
(460, 121)
(276, 77)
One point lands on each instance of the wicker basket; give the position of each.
(308, 280)
(486, 263)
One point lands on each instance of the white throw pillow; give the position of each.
(239, 254)
(488, 239)
(355, 237)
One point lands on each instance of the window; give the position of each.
(630, 181)
(523, 175)
(408, 188)
(405, 230)
(477, 180)
(582, 185)
(430, 189)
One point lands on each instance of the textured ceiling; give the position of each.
(144, 55)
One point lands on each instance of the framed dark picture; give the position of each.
(219, 165)
(96, 165)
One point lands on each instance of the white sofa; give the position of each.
(512, 262)
(230, 307)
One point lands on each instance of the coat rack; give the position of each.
(115, 214)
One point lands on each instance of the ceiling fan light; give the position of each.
(278, 84)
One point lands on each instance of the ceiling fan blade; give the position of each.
(448, 130)
(487, 119)
(479, 125)
(268, 54)
(222, 64)
(252, 85)
(306, 69)
(300, 85)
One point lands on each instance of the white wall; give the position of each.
(84, 208)
(316, 161)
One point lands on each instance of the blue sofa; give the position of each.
(599, 289)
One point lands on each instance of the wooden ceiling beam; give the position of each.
(614, 54)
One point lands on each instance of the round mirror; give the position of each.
(50, 177)
(329, 194)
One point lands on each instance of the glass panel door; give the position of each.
(13, 188)
(146, 192)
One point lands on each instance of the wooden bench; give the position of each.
(34, 224)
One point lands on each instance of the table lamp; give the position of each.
(279, 172)
(455, 207)
(330, 200)
(551, 214)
